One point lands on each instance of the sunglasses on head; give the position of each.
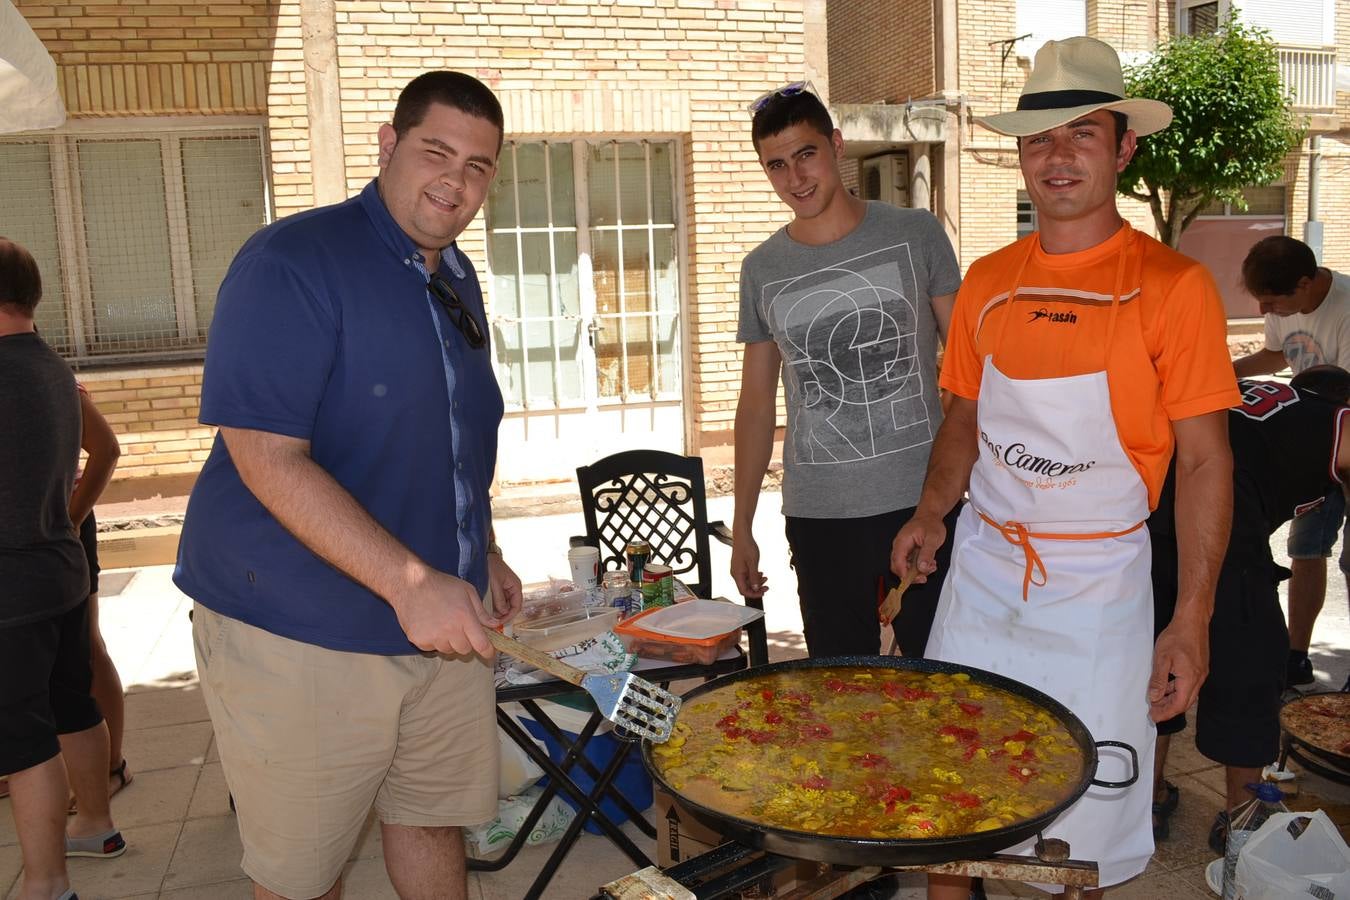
(791, 89)
(454, 308)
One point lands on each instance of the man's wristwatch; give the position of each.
(493, 548)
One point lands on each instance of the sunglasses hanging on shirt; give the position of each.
(454, 308)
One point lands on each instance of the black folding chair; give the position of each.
(660, 498)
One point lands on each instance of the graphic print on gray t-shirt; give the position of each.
(853, 322)
(851, 358)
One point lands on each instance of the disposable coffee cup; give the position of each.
(585, 563)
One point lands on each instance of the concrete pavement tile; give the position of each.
(1193, 881)
(166, 746)
(367, 879)
(8, 837)
(240, 889)
(211, 797)
(155, 797)
(140, 870)
(213, 752)
(208, 852)
(171, 662)
(1188, 844)
(592, 862)
(1183, 884)
(11, 864)
(166, 706)
(1213, 778)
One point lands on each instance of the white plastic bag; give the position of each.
(490, 837)
(1295, 855)
(518, 771)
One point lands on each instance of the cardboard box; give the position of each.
(679, 836)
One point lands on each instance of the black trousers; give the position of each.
(843, 571)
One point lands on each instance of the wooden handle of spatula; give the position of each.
(891, 605)
(537, 658)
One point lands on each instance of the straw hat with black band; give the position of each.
(1071, 79)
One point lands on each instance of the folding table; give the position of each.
(560, 779)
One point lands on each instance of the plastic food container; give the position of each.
(544, 605)
(556, 632)
(674, 648)
(697, 619)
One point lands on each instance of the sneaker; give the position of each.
(1214, 876)
(98, 846)
(1298, 671)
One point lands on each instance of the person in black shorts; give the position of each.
(100, 444)
(44, 589)
(1290, 447)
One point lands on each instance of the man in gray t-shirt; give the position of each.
(847, 302)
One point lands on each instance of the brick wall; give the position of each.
(154, 413)
(680, 69)
(880, 51)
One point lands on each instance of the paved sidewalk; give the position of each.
(182, 837)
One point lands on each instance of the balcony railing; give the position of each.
(1310, 72)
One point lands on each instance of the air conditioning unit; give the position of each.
(886, 178)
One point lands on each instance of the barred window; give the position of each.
(1027, 218)
(133, 231)
(585, 277)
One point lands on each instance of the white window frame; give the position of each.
(581, 147)
(1184, 6)
(70, 225)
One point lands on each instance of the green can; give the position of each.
(658, 586)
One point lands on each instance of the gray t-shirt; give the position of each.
(856, 330)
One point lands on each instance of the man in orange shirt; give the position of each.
(1078, 358)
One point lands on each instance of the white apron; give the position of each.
(1049, 581)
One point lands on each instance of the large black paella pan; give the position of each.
(757, 726)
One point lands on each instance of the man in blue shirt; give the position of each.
(338, 543)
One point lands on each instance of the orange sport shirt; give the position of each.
(1170, 355)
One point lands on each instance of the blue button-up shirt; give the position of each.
(324, 330)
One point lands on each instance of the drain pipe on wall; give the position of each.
(1312, 229)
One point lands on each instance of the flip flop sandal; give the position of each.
(69, 895)
(123, 779)
(1218, 833)
(98, 846)
(1162, 812)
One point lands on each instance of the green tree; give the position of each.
(1233, 124)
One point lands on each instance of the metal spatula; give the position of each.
(626, 700)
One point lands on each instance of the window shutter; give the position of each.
(1048, 20)
(1302, 22)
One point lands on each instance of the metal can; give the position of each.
(639, 553)
(658, 586)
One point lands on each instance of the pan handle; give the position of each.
(1134, 766)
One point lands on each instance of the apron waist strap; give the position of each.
(1017, 533)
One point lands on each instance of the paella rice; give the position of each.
(872, 753)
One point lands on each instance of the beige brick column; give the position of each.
(318, 29)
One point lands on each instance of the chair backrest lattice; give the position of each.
(654, 496)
